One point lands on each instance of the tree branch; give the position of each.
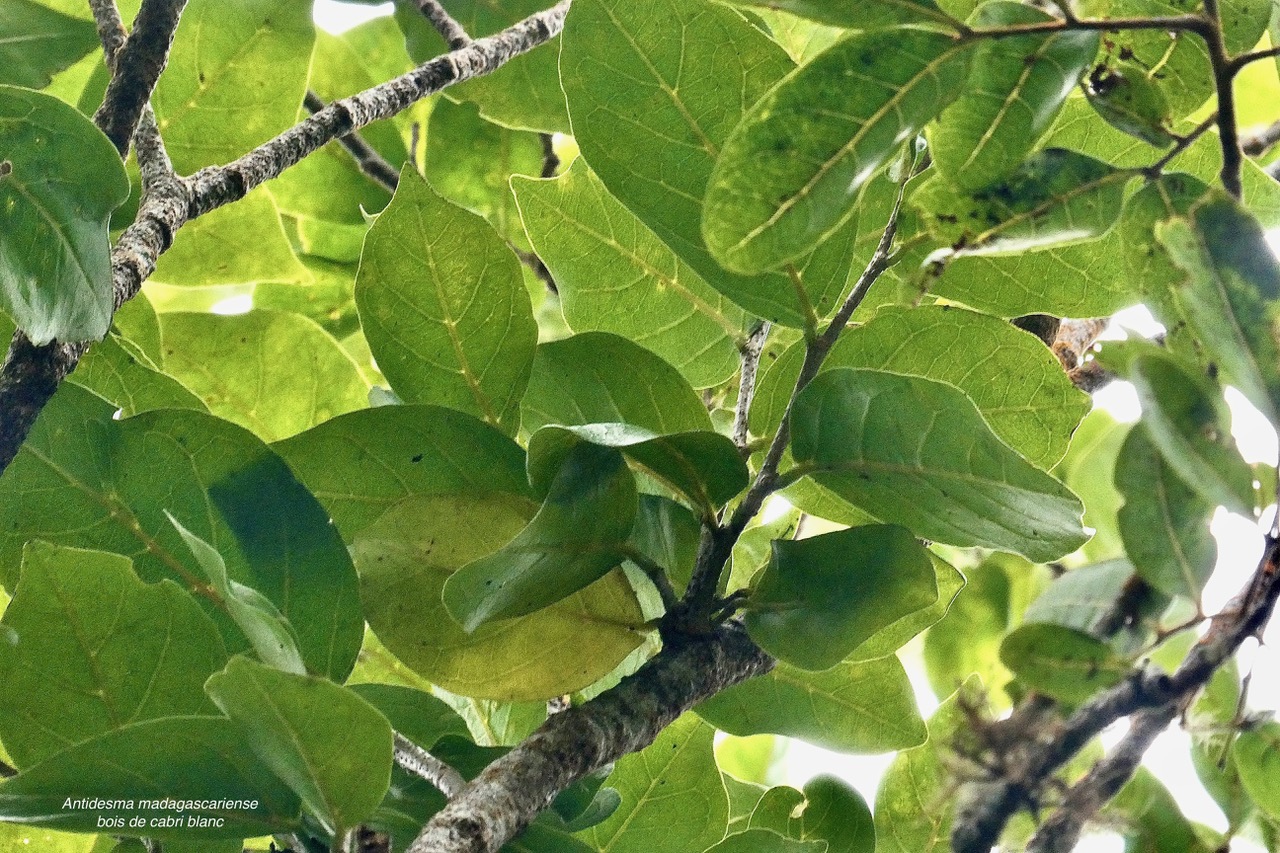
(1152, 692)
(449, 29)
(419, 762)
(511, 791)
(32, 374)
(215, 186)
(1224, 75)
(750, 354)
(136, 66)
(372, 164)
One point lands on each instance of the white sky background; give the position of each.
(1239, 548)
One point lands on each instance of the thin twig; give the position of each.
(717, 542)
(419, 762)
(657, 574)
(1180, 144)
(750, 356)
(1224, 75)
(372, 164)
(136, 66)
(1247, 58)
(1258, 144)
(450, 30)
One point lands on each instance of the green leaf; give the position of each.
(173, 758)
(119, 371)
(1244, 22)
(852, 707)
(967, 640)
(1061, 662)
(244, 243)
(99, 648)
(1085, 599)
(1175, 61)
(1188, 424)
(765, 841)
(443, 304)
(1014, 92)
(1257, 757)
(419, 716)
(949, 581)
(596, 377)
(469, 161)
(576, 538)
(15, 838)
(59, 181)
(623, 60)
(1130, 101)
(1164, 522)
(788, 177)
(39, 42)
(867, 15)
(917, 452)
(220, 53)
(1087, 470)
(1149, 817)
(328, 744)
(405, 560)
(704, 466)
(916, 802)
(672, 796)
(829, 810)
(274, 373)
(1055, 197)
(524, 93)
(86, 480)
(822, 597)
(1230, 295)
(802, 39)
(360, 465)
(615, 275)
(1015, 381)
(269, 633)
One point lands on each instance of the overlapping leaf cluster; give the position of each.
(412, 488)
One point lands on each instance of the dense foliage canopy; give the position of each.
(521, 395)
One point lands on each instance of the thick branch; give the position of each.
(1150, 691)
(502, 800)
(1224, 75)
(31, 374)
(137, 66)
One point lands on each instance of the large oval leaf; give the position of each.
(100, 648)
(652, 129)
(59, 181)
(86, 480)
(329, 745)
(917, 453)
(615, 275)
(405, 559)
(1012, 377)
(861, 14)
(221, 52)
(139, 767)
(443, 304)
(1014, 92)
(789, 175)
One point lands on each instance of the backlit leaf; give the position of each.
(866, 15)
(39, 42)
(788, 177)
(444, 307)
(1061, 662)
